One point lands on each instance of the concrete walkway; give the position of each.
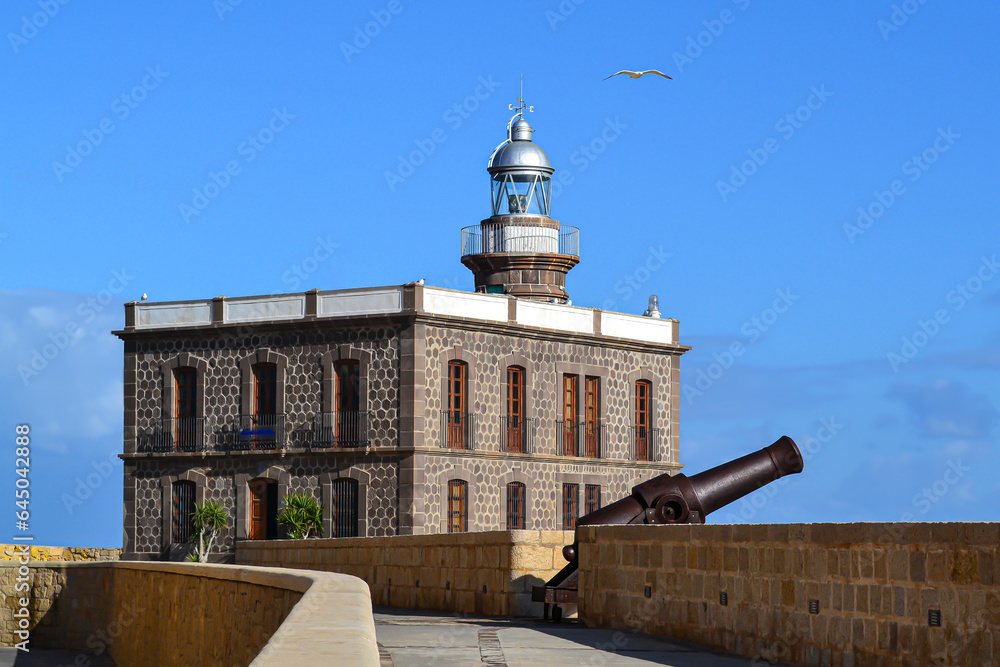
(410, 638)
(11, 657)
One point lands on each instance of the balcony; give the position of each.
(255, 433)
(172, 435)
(584, 439)
(336, 430)
(484, 239)
(517, 435)
(644, 444)
(458, 430)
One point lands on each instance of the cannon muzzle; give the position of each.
(678, 499)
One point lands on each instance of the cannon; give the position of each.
(673, 499)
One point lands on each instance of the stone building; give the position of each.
(406, 409)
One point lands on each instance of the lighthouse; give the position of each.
(520, 250)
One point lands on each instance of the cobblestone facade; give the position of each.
(402, 468)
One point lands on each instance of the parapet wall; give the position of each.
(488, 573)
(191, 614)
(13, 551)
(874, 587)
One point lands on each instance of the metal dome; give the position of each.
(519, 153)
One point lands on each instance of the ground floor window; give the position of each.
(593, 500)
(515, 506)
(458, 508)
(345, 507)
(183, 512)
(571, 508)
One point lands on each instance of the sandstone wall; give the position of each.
(11, 552)
(874, 585)
(489, 573)
(185, 614)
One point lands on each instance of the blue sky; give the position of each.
(836, 163)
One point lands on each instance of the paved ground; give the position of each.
(9, 657)
(409, 638)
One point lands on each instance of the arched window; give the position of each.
(345, 507)
(347, 403)
(457, 419)
(569, 413)
(515, 506)
(182, 523)
(264, 428)
(458, 506)
(185, 431)
(643, 419)
(513, 430)
(592, 421)
(265, 389)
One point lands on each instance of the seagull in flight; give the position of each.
(636, 75)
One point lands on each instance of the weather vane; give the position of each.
(521, 106)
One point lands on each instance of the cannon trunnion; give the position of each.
(674, 499)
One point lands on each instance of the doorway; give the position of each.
(263, 510)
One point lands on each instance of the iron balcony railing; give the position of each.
(644, 443)
(340, 429)
(517, 435)
(256, 432)
(173, 434)
(585, 439)
(520, 240)
(458, 430)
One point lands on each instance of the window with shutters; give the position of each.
(515, 427)
(571, 508)
(515, 506)
(457, 411)
(183, 512)
(569, 411)
(458, 508)
(345, 507)
(643, 417)
(593, 498)
(591, 416)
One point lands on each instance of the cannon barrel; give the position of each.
(682, 499)
(674, 499)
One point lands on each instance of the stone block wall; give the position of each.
(872, 587)
(192, 614)
(12, 551)
(488, 573)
